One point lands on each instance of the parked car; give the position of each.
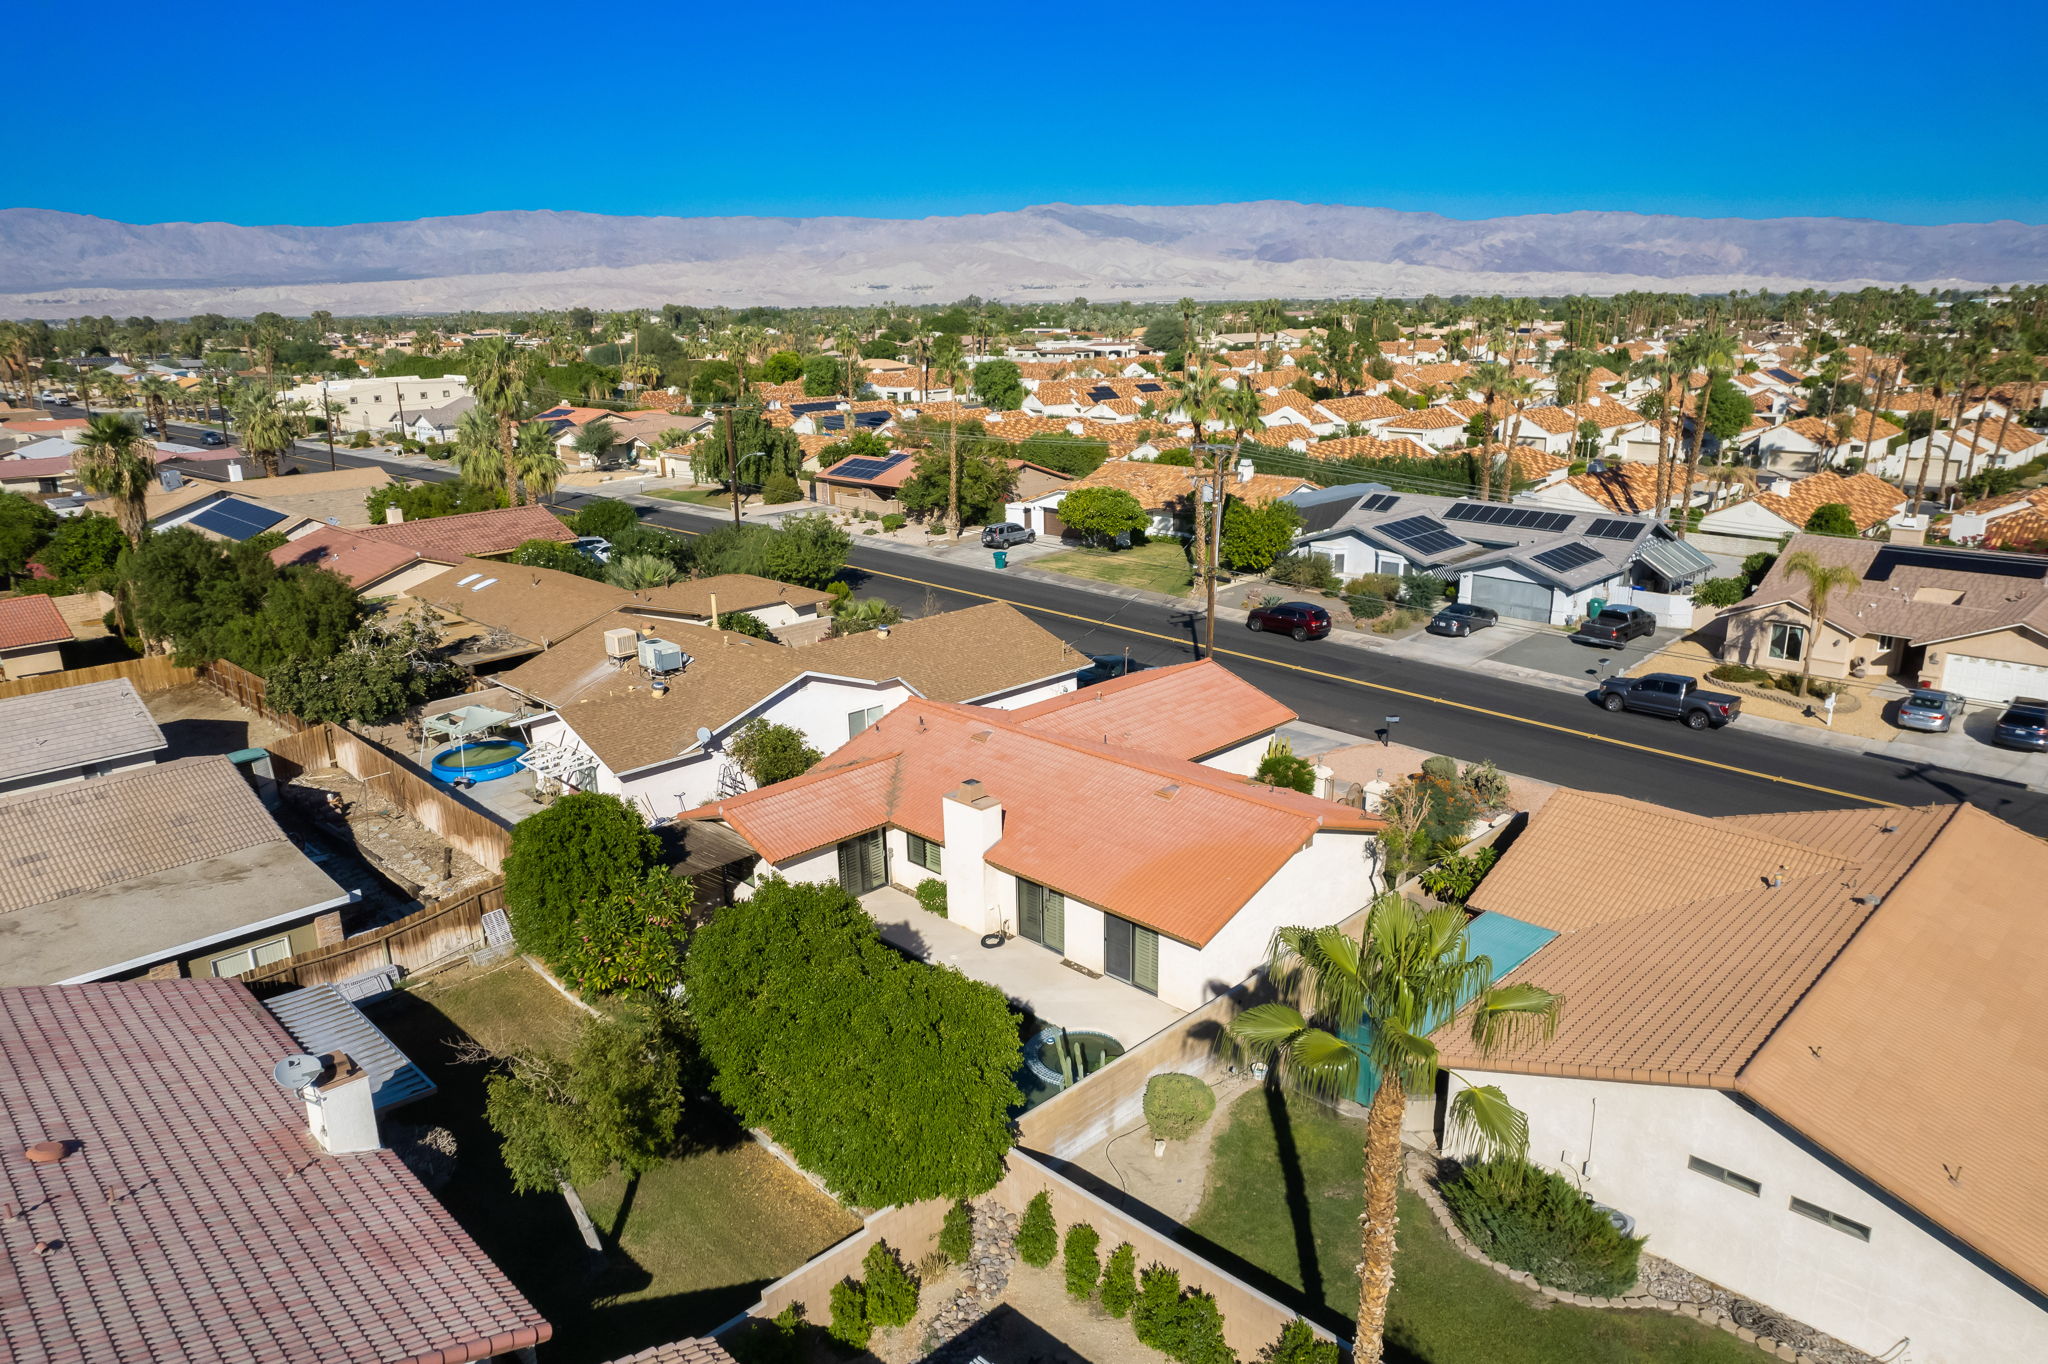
(1301, 619)
(1004, 534)
(1106, 667)
(149, 428)
(211, 438)
(2024, 725)
(1615, 626)
(593, 546)
(1929, 710)
(1461, 618)
(1672, 694)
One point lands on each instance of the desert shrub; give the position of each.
(1487, 785)
(1455, 878)
(1536, 1221)
(931, 896)
(1311, 571)
(1422, 591)
(893, 521)
(779, 1340)
(850, 1324)
(1120, 1280)
(1038, 1237)
(1397, 620)
(1282, 766)
(1384, 585)
(1083, 1268)
(1756, 565)
(1720, 591)
(1299, 1344)
(1440, 768)
(1366, 605)
(891, 1291)
(1156, 1312)
(780, 488)
(1740, 672)
(1177, 1105)
(956, 1233)
(930, 1265)
(1195, 1332)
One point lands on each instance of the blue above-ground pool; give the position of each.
(478, 760)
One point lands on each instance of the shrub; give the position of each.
(931, 896)
(1755, 566)
(1156, 1313)
(1101, 514)
(1038, 1239)
(1488, 787)
(1367, 605)
(1385, 585)
(956, 1233)
(780, 488)
(1194, 1334)
(1120, 1280)
(769, 753)
(1298, 1344)
(1283, 767)
(1083, 1268)
(1311, 571)
(1455, 878)
(893, 521)
(850, 1324)
(891, 1291)
(745, 623)
(1740, 672)
(1177, 1105)
(1536, 1221)
(1422, 591)
(1440, 768)
(582, 849)
(1831, 518)
(778, 1341)
(605, 516)
(1720, 591)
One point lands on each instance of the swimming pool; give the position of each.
(478, 760)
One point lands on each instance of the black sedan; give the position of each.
(1461, 618)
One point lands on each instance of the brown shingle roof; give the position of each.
(537, 604)
(1924, 601)
(447, 539)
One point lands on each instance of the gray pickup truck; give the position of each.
(1672, 694)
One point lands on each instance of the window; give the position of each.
(251, 957)
(1831, 1219)
(1734, 1181)
(858, 720)
(1788, 642)
(923, 852)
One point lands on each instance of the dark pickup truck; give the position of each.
(1615, 626)
(1672, 694)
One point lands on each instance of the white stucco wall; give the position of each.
(1627, 1145)
(1241, 759)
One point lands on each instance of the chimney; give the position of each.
(339, 1110)
(394, 515)
(972, 823)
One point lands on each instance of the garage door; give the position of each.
(1512, 597)
(1993, 679)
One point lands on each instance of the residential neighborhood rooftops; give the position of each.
(73, 727)
(194, 1219)
(1871, 501)
(27, 621)
(1162, 485)
(450, 539)
(1922, 594)
(1189, 710)
(734, 591)
(541, 605)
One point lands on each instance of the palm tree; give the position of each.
(536, 462)
(1941, 369)
(1200, 398)
(112, 461)
(476, 457)
(1517, 390)
(1823, 580)
(595, 441)
(158, 393)
(1713, 353)
(265, 427)
(638, 572)
(1373, 1003)
(502, 380)
(950, 358)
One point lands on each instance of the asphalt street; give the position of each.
(1552, 735)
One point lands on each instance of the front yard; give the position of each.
(1158, 565)
(1281, 1211)
(688, 1245)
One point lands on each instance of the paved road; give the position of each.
(1552, 735)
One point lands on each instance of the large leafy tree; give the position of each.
(1100, 514)
(579, 851)
(807, 550)
(211, 600)
(999, 384)
(769, 753)
(1254, 536)
(113, 461)
(26, 525)
(973, 482)
(382, 671)
(1366, 1007)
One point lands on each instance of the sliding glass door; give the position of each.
(1042, 915)
(1130, 953)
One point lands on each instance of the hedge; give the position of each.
(1533, 1220)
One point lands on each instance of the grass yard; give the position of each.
(1159, 565)
(690, 1244)
(1282, 1211)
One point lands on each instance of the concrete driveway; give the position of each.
(1552, 651)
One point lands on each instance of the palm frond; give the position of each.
(1514, 1016)
(1266, 1028)
(1482, 1121)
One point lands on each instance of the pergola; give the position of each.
(463, 722)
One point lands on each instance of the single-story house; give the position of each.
(2016, 520)
(450, 540)
(1968, 621)
(1786, 1056)
(1165, 491)
(171, 1175)
(1627, 488)
(33, 634)
(168, 869)
(240, 508)
(71, 734)
(438, 423)
(1782, 506)
(1011, 819)
(373, 568)
(1524, 560)
(871, 483)
(1809, 444)
(1437, 427)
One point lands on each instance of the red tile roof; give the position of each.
(197, 1219)
(450, 539)
(355, 557)
(1190, 711)
(31, 620)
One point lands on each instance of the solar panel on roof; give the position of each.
(1615, 528)
(1379, 502)
(1955, 560)
(1151, 388)
(867, 468)
(826, 406)
(1565, 558)
(1423, 534)
(236, 520)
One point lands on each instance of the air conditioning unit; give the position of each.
(623, 642)
(660, 656)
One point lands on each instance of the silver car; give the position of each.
(1928, 710)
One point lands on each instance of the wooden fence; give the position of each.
(155, 673)
(245, 688)
(417, 941)
(469, 829)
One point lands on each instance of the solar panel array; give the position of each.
(1379, 502)
(1102, 394)
(1423, 534)
(1565, 558)
(237, 520)
(836, 421)
(867, 468)
(826, 406)
(1616, 528)
(1508, 517)
(1151, 388)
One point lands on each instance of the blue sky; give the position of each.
(273, 113)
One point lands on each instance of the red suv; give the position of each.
(1297, 618)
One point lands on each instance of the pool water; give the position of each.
(481, 760)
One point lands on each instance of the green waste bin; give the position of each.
(1002, 558)
(1596, 606)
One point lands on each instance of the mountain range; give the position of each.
(55, 264)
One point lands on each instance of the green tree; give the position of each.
(956, 1233)
(595, 442)
(211, 600)
(1282, 766)
(582, 849)
(769, 753)
(557, 556)
(850, 1324)
(504, 380)
(821, 377)
(780, 489)
(424, 501)
(745, 623)
(1064, 451)
(781, 367)
(112, 460)
(1253, 537)
(1299, 1344)
(604, 516)
(81, 551)
(888, 1078)
(807, 550)
(892, 1292)
(631, 940)
(381, 672)
(1373, 1003)
(26, 525)
(986, 483)
(1038, 1236)
(1120, 1280)
(1102, 514)
(1823, 580)
(536, 460)
(1083, 1266)
(1831, 518)
(999, 384)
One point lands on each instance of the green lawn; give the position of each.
(689, 1247)
(1157, 565)
(1282, 1212)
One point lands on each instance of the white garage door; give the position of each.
(1993, 679)
(1511, 597)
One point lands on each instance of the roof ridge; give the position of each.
(1697, 821)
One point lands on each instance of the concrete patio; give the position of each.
(1032, 977)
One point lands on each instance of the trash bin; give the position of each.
(1002, 558)
(1596, 605)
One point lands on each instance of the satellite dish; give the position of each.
(294, 1073)
(705, 738)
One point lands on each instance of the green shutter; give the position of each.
(872, 863)
(1145, 959)
(923, 852)
(1030, 910)
(1056, 922)
(849, 866)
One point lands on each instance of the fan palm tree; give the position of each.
(476, 457)
(1823, 580)
(112, 461)
(265, 427)
(502, 379)
(1199, 395)
(1372, 1004)
(1517, 391)
(1713, 353)
(158, 393)
(949, 357)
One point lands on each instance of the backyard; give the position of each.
(688, 1245)
(1281, 1211)
(1158, 565)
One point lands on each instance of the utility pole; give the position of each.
(732, 459)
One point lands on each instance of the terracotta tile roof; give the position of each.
(1168, 485)
(1557, 421)
(355, 557)
(1189, 710)
(26, 621)
(1428, 419)
(1606, 414)
(2019, 530)
(1867, 427)
(1372, 447)
(447, 539)
(1870, 499)
(1058, 795)
(238, 1239)
(700, 1351)
(1628, 487)
(1365, 408)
